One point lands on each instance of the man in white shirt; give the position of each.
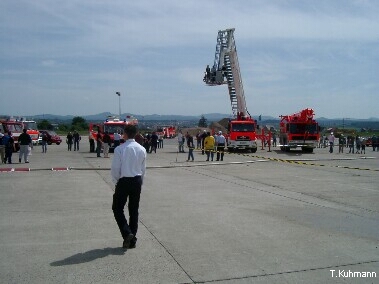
(128, 169)
(116, 138)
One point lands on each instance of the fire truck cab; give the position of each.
(241, 135)
(111, 125)
(15, 127)
(299, 130)
(31, 129)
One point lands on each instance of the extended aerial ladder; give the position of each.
(226, 70)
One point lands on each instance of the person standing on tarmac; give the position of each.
(220, 146)
(69, 140)
(190, 147)
(154, 142)
(25, 142)
(331, 142)
(341, 143)
(99, 142)
(2, 149)
(203, 136)
(8, 142)
(127, 171)
(77, 138)
(180, 142)
(209, 145)
(106, 144)
(44, 142)
(116, 138)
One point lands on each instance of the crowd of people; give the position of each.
(212, 146)
(207, 143)
(356, 144)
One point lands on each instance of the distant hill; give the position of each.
(211, 117)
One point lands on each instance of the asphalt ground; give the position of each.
(267, 217)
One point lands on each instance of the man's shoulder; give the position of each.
(134, 144)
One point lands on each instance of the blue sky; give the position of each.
(70, 57)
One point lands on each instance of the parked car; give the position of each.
(52, 137)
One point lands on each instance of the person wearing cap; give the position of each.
(220, 146)
(331, 142)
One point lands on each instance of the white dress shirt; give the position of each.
(220, 139)
(129, 160)
(116, 136)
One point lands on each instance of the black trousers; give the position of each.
(127, 188)
(220, 152)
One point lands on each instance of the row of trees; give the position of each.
(78, 123)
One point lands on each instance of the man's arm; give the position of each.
(116, 166)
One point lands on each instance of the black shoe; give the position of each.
(133, 242)
(127, 240)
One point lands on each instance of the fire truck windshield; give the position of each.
(14, 127)
(113, 128)
(300, 128)
(30, 125)
(243, 127)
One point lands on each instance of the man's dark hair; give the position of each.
(130, 131)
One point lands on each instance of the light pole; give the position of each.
(119, 104)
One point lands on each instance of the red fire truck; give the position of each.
(166, 131)
(225, 70)
(299, 130)
(31, 129)
(111, 125)
(15, 127)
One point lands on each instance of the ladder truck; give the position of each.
(299, 130)
(225, 70)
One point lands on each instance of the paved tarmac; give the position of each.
(268, 217)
